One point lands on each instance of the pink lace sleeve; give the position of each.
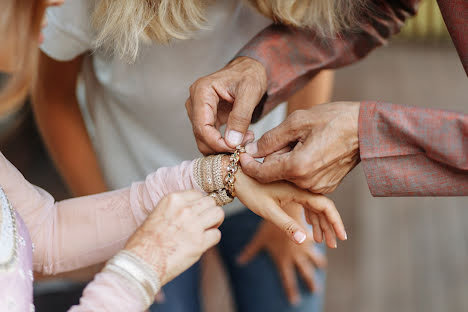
(108, 292)
(78, 232)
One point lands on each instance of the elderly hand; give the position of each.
(313, 148)
(286, 256)
(228, 95)
(178, 231)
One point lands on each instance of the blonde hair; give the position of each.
(21, 22)
(122, 24)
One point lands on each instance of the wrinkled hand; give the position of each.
(230, 96)
(178, 231)
(287, 257)
(324, 141)
(269, 200)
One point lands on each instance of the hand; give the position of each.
(178, 231)
(326, 148)
(269, 200)
(228, 95)
(287, 256)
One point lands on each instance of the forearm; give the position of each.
(63, 129)
(317, 91)
(411, 151)
(78, 232)
(109, 292)
(292, 57)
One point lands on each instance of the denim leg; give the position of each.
(182, 294)
(257, 286)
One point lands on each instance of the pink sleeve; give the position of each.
(109, 292)
(78, 232)
(413, 151)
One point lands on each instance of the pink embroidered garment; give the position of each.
(79, 232)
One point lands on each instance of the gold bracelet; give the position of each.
(221, 197)
(232, 168)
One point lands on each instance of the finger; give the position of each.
(273, 140)
(330, 237)
(250, 251)
(288, 279)
(202, 110)
(211, 137)
(306, 271)
(283, 221)
(313, 220)
(212, 217)
(246, 99)
(160, 297)
(268, 171)
(317, 258)
(210, 238)
(322, 205)
(248, 138)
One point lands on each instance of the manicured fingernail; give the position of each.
(299, 237)
(234, 137)
(345, 236)
(251, 148)
(336, 245)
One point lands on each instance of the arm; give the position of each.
(62, 127)
(78, 232)
(317, 91)
(291, 57)
(274, 65)
(411, 151)
(406, 151)
(455, 13)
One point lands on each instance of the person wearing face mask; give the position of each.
(163, 224)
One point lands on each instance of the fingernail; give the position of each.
(345, 236)
(299, 237)
(251, 148)
(234, 137)
(336, 245)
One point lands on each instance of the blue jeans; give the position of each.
(257, 286)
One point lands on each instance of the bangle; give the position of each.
(221, 197)
(232, 168)
(137, 273)
(207, 172)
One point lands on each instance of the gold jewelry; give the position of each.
(221, 197)
(232, 168)
(207, 173)
(216, 171)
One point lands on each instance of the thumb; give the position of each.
(273, 140)
(250, 251)
(241, 115)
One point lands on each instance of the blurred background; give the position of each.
(403, 254)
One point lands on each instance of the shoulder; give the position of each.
(69, 31)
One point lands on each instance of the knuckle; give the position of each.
(296, 169)
(174, 199)
(219, 213)
(289, 227)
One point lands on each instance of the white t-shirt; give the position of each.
(137, 118)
